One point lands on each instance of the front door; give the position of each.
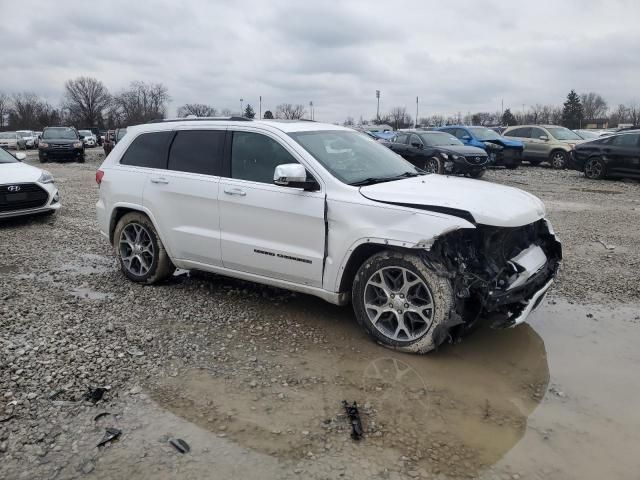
(537, 147)
(267, 229)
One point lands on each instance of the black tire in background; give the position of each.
(477, 173)
(161, 266)
(595, 168)
(558, 159)
(439, 289)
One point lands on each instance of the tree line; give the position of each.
(576, 111)
(87, 103)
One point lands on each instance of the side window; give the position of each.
(415, 139)
(537, 133)
(197, 151)
(459, 133)
(519, 132)
(148, 150)
(401, 138)
(626, 140)
(254, 157)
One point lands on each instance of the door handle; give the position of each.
(235, 191)
(161, 180)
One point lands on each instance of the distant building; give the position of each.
(595, 123)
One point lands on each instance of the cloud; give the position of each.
(462, 56)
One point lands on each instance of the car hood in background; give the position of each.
(462, 150)
(504, 142)
(488, 203)
(60, 141)
(18, 173)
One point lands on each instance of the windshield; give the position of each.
(352, 157)
(64, 133)
(6, 157)
(435, 139)
(8, 135)
(85, 133)
(24, 133)
(482, 133)
(587, 135)
(120, 133)
(561, 133)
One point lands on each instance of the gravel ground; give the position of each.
(254, 376)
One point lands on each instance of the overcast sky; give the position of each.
(462, 56)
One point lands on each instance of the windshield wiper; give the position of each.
(374, 180)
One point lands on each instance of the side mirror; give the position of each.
(293, 175)
(543, 137)
(20, 156)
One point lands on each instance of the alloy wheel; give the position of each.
(593, 169)
(136, 249)
(432, 165)
(398, 304)
(558, 160)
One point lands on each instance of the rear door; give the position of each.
(266, 229)
(184, 197)
(399, 145)
(624, 154)
(524, 135)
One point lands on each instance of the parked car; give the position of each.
(12, 140)
(60, 143)
(440, 152)
(545, 143)
(502, 151)
(613, 156)
(30, 138)
(88, 138)
(25, 190)
(109, 141)
(120, 132)
(421, 257)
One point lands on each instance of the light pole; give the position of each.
(378, 108)
(310, 110)
(415, 122)
(241, 100)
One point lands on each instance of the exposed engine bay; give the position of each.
(497, 272)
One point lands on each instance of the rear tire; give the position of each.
(402, 303)
(595, 169)
(558, 159)
(140, 252)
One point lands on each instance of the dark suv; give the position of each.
(60, 143)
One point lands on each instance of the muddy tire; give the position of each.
(558, 159)
(139, 250)
(433, 165)
(595, 169)
(401, 302)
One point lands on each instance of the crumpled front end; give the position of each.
(499, 272)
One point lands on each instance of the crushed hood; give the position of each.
(487, 203)
(18, 173)
(504, 142)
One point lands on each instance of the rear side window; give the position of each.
(254, 157)
(626, 140)
(148, 150)
(197, 151)
(519, 132)
(401, 138)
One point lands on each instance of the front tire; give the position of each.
(139, 250)
(558, 159)
(595, 169)
(433, 165)
(477, 173)
(401, 302)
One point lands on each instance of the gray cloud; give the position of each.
(462, 56)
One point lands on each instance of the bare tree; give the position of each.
(400, 118)
(593, 106)
(633, 113)
(555, 115)
(5, 107)
(25, 111)
(226, 112)
(290, 112)
(85, 99)
(141, 103)
(197, 109)
(536, 113)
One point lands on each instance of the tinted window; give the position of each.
(197, 151)
(148, 150)
(537, 132)
(519, 132)
(401, 138)
(415, 140)
(628, 140)
(459, 133)
(254, 157)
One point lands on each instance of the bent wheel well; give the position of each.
(357, 258)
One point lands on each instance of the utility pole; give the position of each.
(241, 111)
(523, 118)
(260, 114)
(311, 110)
(415, 122)
(378, 108)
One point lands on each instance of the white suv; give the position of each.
(327, 211)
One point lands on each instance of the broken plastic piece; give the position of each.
(180, 445)
(110, 434)
(95, 394)
(354, 419)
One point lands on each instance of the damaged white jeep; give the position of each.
(326, 211)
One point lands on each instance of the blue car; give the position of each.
(502, 151)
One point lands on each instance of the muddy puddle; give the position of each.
(454, 412)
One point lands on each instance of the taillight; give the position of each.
(99, 175)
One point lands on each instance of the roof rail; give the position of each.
(200, 119)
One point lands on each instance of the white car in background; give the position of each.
(324, 210)
(25, 190)
(12, 140)
(88, 138)
(30, 138)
